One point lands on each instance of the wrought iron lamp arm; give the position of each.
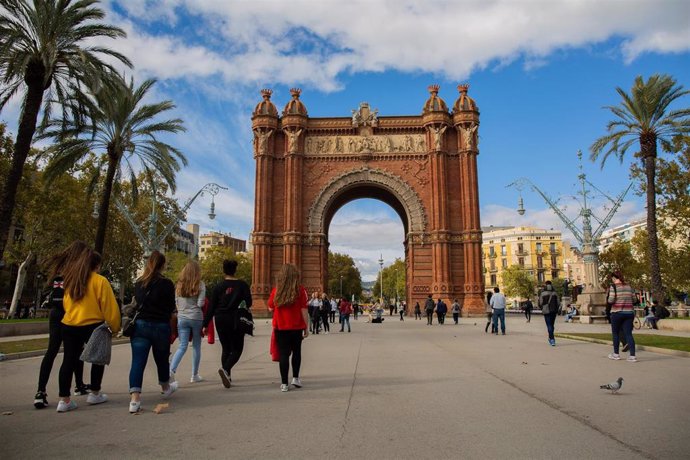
(128, 217)
(609, 216)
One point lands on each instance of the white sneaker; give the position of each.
(614, 356)
(134, 407)
(172, 388)
(632, 359)
(297, 382)
(96, 398)
(196, 378)
(66, 407)
(283, 387)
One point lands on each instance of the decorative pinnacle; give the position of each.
(463, 88)
(295, 92)
(266, 93)
(433, 89)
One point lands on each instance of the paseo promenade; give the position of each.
(397, 390)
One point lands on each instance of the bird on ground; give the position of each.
(613, 386)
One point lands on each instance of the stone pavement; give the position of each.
(393, 390)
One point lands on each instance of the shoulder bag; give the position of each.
(129, 320)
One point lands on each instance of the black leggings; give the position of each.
(54, 343)
(429, 316)
(74, 339)
(324, 319)
(528, 314)
(231, 340)
(289, 342)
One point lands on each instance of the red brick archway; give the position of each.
(423, 166)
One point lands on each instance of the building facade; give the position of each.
(538, 251)
(212, 239)
(623, 232)
(187, 241)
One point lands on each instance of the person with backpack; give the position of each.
(429, 310)
(455, 309)
(548, 301)
(224, 307)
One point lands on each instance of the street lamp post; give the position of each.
(153, 242)
(341, 286)
(381, 276)
(594, 295)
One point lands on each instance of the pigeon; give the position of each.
(613, 386)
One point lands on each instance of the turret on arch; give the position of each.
(422, 166)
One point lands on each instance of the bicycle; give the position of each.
(637, 323)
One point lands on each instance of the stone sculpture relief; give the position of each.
(262, 140)
(468, 136)
(403, 143)
(438, 136)
(293, 137)
(364, 117)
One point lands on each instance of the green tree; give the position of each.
(43, 56)
(212, 266)
(643, 118)
(393, 281)
(622, 256)
(124, 128)
(342, 265)
(174, 263)
(517, 282)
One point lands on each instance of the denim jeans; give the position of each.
(550, 319)
(344, 319)
(622, 322)
(185, 328)
(149, 335)
(499, 314)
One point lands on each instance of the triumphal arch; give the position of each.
(423, 166)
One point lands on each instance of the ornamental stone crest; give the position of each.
(364, 116)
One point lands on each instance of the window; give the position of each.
(521, 248)
(554, 274)
(504, 263)
(492, 252)
(538, 247)
(554, 262)
(552, 247)
(493, 280)
(521, 261)
(540, 262)
(503, 250)
(492, 265)
(540, 277)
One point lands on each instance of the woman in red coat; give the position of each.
(288, 302)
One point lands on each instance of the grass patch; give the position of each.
(649, 340)
(18, 346)
(32, 320)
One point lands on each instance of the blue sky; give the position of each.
(540, 72)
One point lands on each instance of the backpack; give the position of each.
(552, 305)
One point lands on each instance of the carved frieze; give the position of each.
(352, 145)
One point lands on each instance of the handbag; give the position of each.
(129, 320)
(98, 349)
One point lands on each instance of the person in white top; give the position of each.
(498, 305)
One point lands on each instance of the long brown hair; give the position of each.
(154, 266)
(189, 280)
(76, 267)
(287, 282)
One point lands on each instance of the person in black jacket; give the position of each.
(225, 300)
(155, 298)
(57, 311)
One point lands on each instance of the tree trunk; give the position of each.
(648, 147)
(19, 285)
(105, 204)
(25, 134)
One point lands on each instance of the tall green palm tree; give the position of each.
(44, 57)
(123, 131)
(643, 118)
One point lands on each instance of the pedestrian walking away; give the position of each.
(441, 310)
(429, 310)
(190, 293)
(528, 309)
(498, 304)
(403, 310)
(224, 307)
(325, 313)
(417, 311)
(455, 310)
(620, 298)
(155, 299)
(549, 304)
(315, 313)
(57, 312)
(88, 301)
(288, 302)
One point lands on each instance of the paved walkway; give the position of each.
(395, 390)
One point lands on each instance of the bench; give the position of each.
(589, 319)
(678, 312)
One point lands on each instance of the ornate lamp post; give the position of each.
(381, 276)
(593, 297)
(153, 242)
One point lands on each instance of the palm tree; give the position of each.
(122, 129)
(43, 57)
(643, 118)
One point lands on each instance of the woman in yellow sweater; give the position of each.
(88, 301)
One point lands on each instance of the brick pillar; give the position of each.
(440, 234)
(292, 237)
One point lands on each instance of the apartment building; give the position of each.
(212, 239)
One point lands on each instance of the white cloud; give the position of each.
(312, 43)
